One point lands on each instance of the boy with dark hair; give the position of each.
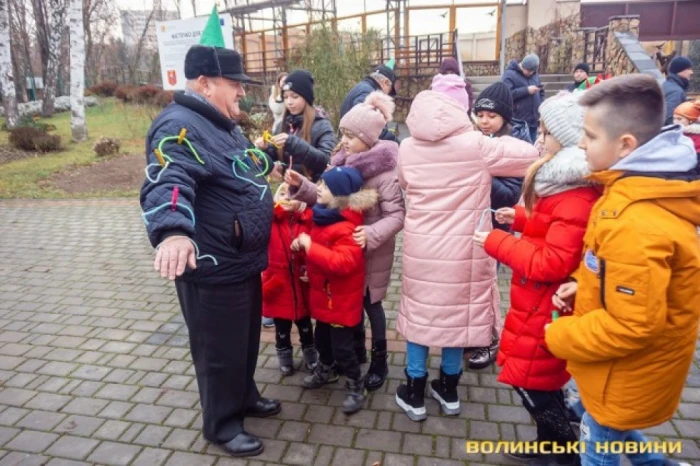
(631, 340)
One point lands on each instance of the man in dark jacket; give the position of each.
(680, 70)
(381, 79)
(581, 72)
(523, 80)
(199, 173)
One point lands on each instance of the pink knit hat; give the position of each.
(368, 119)
(452, 86)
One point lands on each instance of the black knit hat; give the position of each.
(583, 67)
(301, 82)
(496, 98)
(679, 64)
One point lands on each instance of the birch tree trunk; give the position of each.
(77, 71)
(57, 15)
(7, 80)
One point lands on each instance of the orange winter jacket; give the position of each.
(632, 338)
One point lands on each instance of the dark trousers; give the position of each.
(548, 410)
(224, 328)
(377, 322)
(283, 332)
(336, 344)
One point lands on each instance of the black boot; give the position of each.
(310, 357)
(444, 390)
(411, 397)
(359, 340)
(378, 368)
(322, 375)
(484, 357)
(286, 361)
(356, 396)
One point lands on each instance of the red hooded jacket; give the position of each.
(548, 252)
(285, 296)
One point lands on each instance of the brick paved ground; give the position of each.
(95, 369)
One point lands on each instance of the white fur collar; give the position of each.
(692, 129)
(566, 171)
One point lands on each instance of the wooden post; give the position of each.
(364, 24)
(263, 46)
(285, 45)
(498, 32)
(453, 18)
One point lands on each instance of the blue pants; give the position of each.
(417, 360)
(592, 433)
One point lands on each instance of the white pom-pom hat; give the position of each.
(366, 120)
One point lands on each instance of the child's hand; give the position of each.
(505, 216)
(360, 236)
(260, 143)
(564, 296)
(293, 178)
(304, 241)
(276, 173)
(280, 139)
(480, 237)
(296, 245)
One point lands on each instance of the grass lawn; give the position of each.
(128, 123)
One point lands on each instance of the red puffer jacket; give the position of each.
(336, 269)
(284, 295)
(542, 259)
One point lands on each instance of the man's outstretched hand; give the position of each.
(173, 255)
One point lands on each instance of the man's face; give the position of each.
(602, 151)
(687, 74)
(224, 94)
(386, 85)
(527, 73)
(580, 75)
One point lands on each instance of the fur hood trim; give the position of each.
(380, 158)
(690, 129)
(566, 171)
(360, 201)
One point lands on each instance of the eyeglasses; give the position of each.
(482, 219)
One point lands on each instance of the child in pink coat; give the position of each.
(449, 296)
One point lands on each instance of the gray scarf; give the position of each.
(566, 171)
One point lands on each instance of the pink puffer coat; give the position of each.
(450, 294)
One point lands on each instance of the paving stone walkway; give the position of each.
(95, 366)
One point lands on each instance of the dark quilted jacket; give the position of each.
(526, 106)
(232, 206)
(357, 95)
(506, 191)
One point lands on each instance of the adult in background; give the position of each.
(450, 66)
(523, 80)
(276, 100)
(680, 70)
(217, 266)
(581, 72)
(381, 79)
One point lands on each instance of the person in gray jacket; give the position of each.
(680, 70)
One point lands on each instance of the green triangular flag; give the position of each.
(390, 64)
(212, 35)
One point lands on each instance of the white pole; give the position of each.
(503, 36)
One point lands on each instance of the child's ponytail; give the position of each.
(529, 194)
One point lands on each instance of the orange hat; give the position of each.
(689, 110)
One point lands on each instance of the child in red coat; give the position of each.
(285, 291)
(336, 269)
(558, 201)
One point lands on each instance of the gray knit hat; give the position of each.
(563, 118)
(531, 62)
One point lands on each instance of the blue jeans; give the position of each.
(572, 398)
(592, 433)
(417, 360)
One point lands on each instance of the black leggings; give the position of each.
(549, 412)
(336, 344)
(377, 319)
(283, 332)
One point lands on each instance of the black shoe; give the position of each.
(310, 357)
(264, 407)
(524, 458)
(286, 361)
(322, 375)
(444, 390)
(411, 397)
(378, 368)
(356, 396)
(243, 444)
(484, 357)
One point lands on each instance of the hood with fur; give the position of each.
(380, 158)
(566, 171)
(360, 201)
